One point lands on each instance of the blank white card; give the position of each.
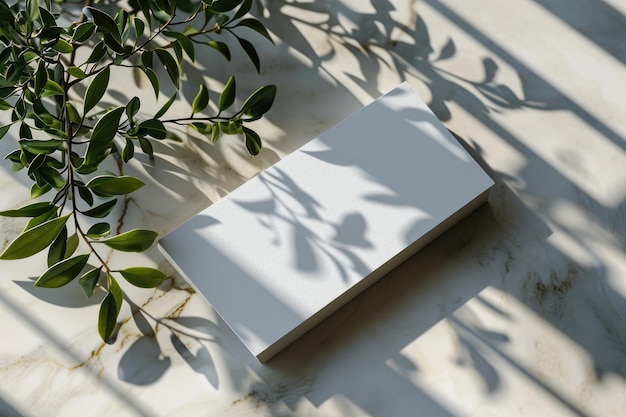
(290, 246)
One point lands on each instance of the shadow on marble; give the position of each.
(595, 20)
(360, 342)
(71, 296)
(105, 383)
(143, 363)
(537, 91)
(417, 56)
(495, 248)
(555, 294)
(8, 410)
(200, 361)
(350, 351)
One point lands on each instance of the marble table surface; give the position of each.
(519, 310)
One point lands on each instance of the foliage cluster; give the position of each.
(64, 135)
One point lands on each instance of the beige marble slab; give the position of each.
(518, 310)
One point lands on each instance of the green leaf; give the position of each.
(162, 5)
(129, 151)
(47, 18)
(110, 185)
(101, 210)
(25, 132)
(155, 128)
(109, 309)
(6, 52)
(139, 27)
(251, 52)
(50, 32)
(231, 128)
(89, 280)
(122, 18)
(41, 113)
(201, 100)
(36, 163)
(102, 136)
(6, 92)
(72, 113)
(215, 133)
(136, 240)
(103, 21)
(31, 210)
(26, 157)
(227, 98)
(52, 177)
(37, 191)
(188, 47)
(98, 52)
(36, 221)
(53, 163)
(19, 110)
(259, 102)
(144, 5)
(252, 141)
(62, 273)
(170, 64)
(71, 245)
(222, 6)
(76, 72)
(41, 77)
(202, 128)
(52, 89)
(32, 7)
(245, 8)
(114, 44)
(85, 194)
(221, 47)
(106, 127)
(41, 146)
(96, 89)
(143, 277)
(99, 230)
(63, 46)
(57, 133)
(257, 27)
(147, 58)
(146, 146)
(57, 249)
(154, 80)
(15, 156)
(184, 43)
(4, 129)
(15, 70)
(133, 107)
(35, 240)
(83, 32)
(187, 6)
(165, 106)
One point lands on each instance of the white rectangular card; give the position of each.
(299, 240)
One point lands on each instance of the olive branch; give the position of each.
(65, 136)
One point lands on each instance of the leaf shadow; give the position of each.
(143, 362)
(200, 361)
(71, 295)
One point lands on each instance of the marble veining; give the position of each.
(518, 310)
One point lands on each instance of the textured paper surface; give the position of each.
(294, 243)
